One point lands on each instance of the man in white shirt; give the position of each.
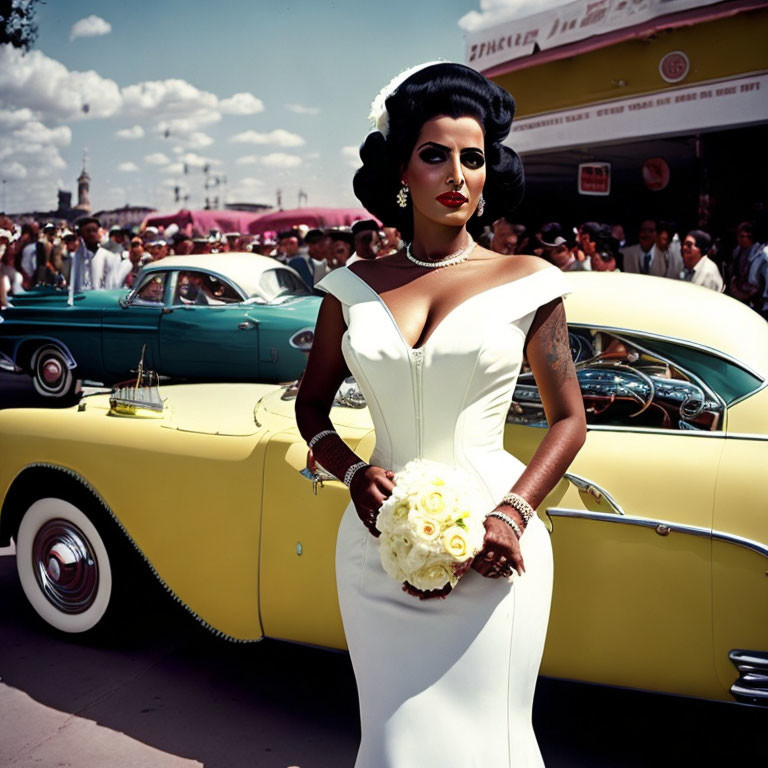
(94, 267)
(698, 268)
(653, 255)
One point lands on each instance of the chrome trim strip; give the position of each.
(678, 340)
(729, 538)
(584, 484)
(655, 430)
(744, 436)
(97, 495)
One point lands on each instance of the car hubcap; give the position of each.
(65, 566)
(52, 371)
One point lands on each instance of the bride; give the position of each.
(435, 335)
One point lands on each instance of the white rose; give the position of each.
(424, 529)
(457, 543)
(434, 575)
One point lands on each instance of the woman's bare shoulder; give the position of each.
(517, 266)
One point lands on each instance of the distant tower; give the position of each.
(84, 189)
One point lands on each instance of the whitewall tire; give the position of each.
(63, 565)
(51, 375)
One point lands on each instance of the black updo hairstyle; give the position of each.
(440, 89)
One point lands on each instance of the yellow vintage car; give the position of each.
(660, 528)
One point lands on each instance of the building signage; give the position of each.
(595, 179)
(674, 66)
(655, 173)
(718, 104)
(567, 23)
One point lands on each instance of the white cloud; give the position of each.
(300, 109)
(494, 11)
(241, 104)
(45, 86)
(278, 137)
(193, 140)
(281, 160)
(196, 161)
(156, 158)
(14, 171)
(137, 132)
(128, 167)
(352, 156)
(171, 99)
(90, 26)
(273, 160)
(173, 168)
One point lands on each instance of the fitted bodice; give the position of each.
(448, 399)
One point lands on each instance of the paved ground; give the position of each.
(164, 694)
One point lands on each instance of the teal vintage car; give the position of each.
(227, 316)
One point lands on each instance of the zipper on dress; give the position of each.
(417, 356)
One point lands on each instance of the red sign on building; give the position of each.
(595, 179)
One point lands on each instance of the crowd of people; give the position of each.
(88, 257)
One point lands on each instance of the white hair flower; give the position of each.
(379, 116)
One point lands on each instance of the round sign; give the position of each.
(655, 173)
(674, 66)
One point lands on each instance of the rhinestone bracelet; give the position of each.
(508, 520)
(319, 436)
(352, 471)
(516, 501)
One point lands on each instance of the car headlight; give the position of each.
(303, 339)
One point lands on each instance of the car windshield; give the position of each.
(280, 285)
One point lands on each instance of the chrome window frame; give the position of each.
(622, 333)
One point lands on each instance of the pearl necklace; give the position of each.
(452, 258)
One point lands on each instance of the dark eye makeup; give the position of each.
(433, 154)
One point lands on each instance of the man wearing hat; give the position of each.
(555, 249)
(116, 241)
(71, 242)
(366, 240)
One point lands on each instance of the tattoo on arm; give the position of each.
(557, 348)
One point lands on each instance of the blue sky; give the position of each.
(159, 82)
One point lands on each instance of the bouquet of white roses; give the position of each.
(430, 526)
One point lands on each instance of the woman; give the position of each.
(437, 351)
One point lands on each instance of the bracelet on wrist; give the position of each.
(319, 436)
(352, 471)
(516, 501)
(508, 520)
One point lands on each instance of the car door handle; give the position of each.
(167, 310)
(315, 473)
(594, 490)
(246, 325)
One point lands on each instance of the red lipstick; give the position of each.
(451, 199)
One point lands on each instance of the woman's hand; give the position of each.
(500, 554)
(370, 487)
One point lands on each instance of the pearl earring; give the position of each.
(402, 196)
(481, 206)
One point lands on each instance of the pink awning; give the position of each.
(200, 223)
(314, 218)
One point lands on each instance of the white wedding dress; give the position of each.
(444, 683)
